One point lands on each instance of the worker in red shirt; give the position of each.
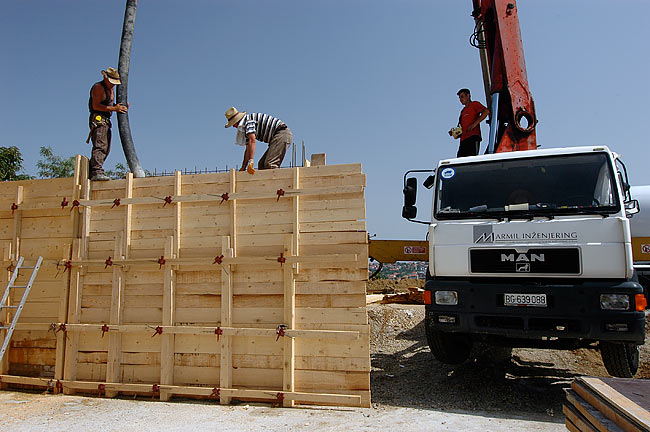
(470, 120)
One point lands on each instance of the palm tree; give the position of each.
(122, 90)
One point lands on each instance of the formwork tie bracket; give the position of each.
(224, 197)
(218, 331)
(159, 331)
(280, 331)
(116, 203)
(105, 329)
(64, 203)
(280, 193)
(108, 262)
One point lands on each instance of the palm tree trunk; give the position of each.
(122, 90)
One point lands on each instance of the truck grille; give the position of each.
(540, 260)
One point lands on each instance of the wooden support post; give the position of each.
(4, 365)
(63, 314)
(178, 182)
(15, 248)
(114, 363)
(233, 213)
(296, 218)
(168, 339)
(288, 377)
(74, 316)
(128, 216)
(80, 179)
(225, 367)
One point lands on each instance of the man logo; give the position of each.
(523, 267)
(522, 257)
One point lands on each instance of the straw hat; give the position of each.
(233, 116)
(112, 75)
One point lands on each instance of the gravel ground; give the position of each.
(531, 383)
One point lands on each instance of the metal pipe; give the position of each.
(494, 123)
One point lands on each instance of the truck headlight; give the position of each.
(446, 297)
(614, 302)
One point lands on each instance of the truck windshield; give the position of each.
(529, 187)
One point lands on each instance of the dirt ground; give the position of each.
(410, 390)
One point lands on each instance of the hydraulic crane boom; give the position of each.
(497, 35)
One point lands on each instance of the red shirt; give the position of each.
(468, 115)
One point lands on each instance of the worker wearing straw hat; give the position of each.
(260, 127)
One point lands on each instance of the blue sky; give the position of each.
(370, 81)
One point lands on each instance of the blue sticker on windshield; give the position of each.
(448, 173)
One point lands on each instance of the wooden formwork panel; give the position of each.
(250, 286)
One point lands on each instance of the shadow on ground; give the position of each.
(413, 378)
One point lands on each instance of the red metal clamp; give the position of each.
(62, 327)
(216, 392)
(280, 331)
(218, 332)
(64, 203)
(116, 203)
(279, 398)
(58, 386)
(161, 261)
(52, 327)
(159, 331)
(75, 203)
(101, 388)
(14, 207)
(108, 262)
(168, 200)
(282, 259)
(155, 388)
(67, 265)
(104, 329)
(280, 193)
(224, 197)
(218, 259)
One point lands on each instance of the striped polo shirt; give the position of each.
(262, 125)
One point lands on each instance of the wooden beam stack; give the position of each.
(225, 285)
(607, 404)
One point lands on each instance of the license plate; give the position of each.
(537, 300)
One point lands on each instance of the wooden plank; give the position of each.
(614, 405)
(168, 319)
(595, 417)
(225, 365)
(288, 376)
(4, 315)
(64, 298)
(113, 366)
(576, 419)
(74, 314)
(317, 159)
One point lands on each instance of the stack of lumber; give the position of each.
(224, 285)
(413, 296)
(608, 404)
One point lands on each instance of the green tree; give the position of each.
(53, 166)
(11, 162)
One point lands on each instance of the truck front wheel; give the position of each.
(450, 348)
(620, 359)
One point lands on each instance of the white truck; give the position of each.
(533, 249)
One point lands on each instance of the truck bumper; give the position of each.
(573, 310)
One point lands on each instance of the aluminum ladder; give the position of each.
(19, 308)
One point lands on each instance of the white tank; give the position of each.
(640, 222)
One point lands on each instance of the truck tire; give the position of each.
(620, 359)
(450, 348)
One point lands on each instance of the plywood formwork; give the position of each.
(226, 285)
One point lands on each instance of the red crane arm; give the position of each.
(513, 112)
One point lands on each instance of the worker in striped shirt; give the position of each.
(260, 127)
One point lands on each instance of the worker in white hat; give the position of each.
(101, 107)
(260, 127)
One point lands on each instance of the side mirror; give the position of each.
(632, 207)
(428, 183)
(409, 211)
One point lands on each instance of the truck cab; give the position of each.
(533, 249)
